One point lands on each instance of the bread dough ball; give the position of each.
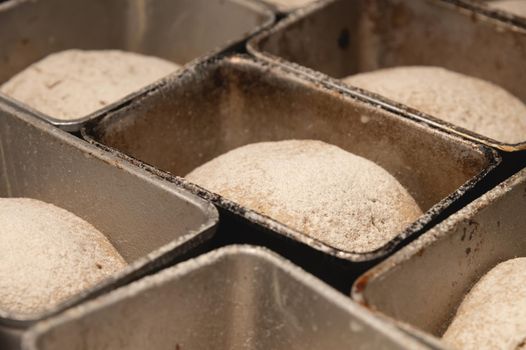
(516, 7)
(289, 5)
(48, 255)
(493, 313)
(336, 197)
(461, 100)
(72, 84)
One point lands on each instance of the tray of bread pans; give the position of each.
(422, 285)
(172, 129)
(236, 297)
(174, 30)
(339, 38)
(125, 203)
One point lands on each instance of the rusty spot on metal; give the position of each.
(361, 283)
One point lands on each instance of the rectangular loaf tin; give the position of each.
(238, 297)
(421, 286)
(176, 30)
(339, 38)
(150, 222)
(220, 104)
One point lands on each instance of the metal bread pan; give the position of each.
(176, 30)
(422, 285)
(150, 223)
(238, 297)
(341, 37)
(221, 104)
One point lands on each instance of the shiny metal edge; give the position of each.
(30, 338)
(206, 230)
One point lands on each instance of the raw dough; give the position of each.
(516, 7)
(48, 255)
(341, 199)
(461, 100)
(289, 5)
(493, 313)
(72, 84)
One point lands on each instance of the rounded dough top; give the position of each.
(471, 103)
(289, 5)
(334, 196)
(72, 84)
(48, 255)
(493, 313)
(516, 7)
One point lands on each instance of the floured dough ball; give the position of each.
(341, 199)
(72, 84)
(493, 313)
(48, 255)
(461, 100)
(516, 7)
(289, 5)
